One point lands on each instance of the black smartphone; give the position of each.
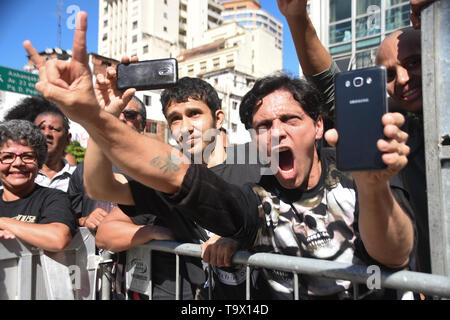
(361, 101)
(147, 75)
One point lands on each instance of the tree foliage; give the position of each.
(76, 150)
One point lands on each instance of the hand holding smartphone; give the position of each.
(147, 75)
(361, 102)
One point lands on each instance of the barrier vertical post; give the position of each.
(435, 26)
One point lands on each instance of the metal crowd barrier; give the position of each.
(28, 273)
(139, 277)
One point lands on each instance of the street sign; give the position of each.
(18, 81)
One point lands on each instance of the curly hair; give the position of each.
(305, 93)
(25, 133)
(30, 108)
(192, 88)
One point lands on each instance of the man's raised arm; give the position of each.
(69, 85)
(313, 56)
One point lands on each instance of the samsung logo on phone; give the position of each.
(356, 101)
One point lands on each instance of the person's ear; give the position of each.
(220, 119)
(69, 139)
(319, 128)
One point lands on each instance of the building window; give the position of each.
(340, 32)
(145, 49)
(152, 127)
(203, 66)
(147, 100)
(105, 23)
(165, 15)
(233, 127)
(234, 105)
(191, 69)
(165, 29)
(230, 60)
(340, 10)
(105, 37)
(134, 39)
(366, 58)
(135, 25)
(216, 62)
(368, 20)
(397, 17)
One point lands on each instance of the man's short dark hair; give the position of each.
(30, 108)
(304, 92)
(192, 88)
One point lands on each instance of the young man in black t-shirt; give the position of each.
(281, 108)
(192, 109)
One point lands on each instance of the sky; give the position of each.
(37, 21)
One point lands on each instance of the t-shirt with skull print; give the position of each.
(265, 217)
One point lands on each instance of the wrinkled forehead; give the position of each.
(278, 103)
(399, 46)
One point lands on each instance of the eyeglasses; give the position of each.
(130, 114)
(10, 157)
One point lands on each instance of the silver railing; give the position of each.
(28, 273)
(138, 270)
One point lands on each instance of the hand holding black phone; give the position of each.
(147, 75)
(361, 102)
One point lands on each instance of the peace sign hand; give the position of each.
(68, 84)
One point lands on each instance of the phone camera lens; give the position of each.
(369, 80)
(347, 84)
(358, 82)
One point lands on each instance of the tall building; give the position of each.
(230, 59)
(352, 30)
(153, 29)
(248, 13)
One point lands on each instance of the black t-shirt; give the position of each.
(82, 205)
(43, 205)
(318, 223)
(150, 203)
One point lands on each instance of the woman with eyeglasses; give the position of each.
(36, 215)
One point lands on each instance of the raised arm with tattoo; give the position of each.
(69, 84)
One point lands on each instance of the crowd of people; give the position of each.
(131, 188)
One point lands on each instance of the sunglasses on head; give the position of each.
(130, 114)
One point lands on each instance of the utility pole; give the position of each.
(60, 12)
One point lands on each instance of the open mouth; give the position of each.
(286, 161)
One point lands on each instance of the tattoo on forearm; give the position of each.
(165, 164)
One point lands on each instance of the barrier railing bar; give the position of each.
(210, 280)
(247, 282)
(177, 279)
(428, 284)
(296, 297)
(151, 276)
